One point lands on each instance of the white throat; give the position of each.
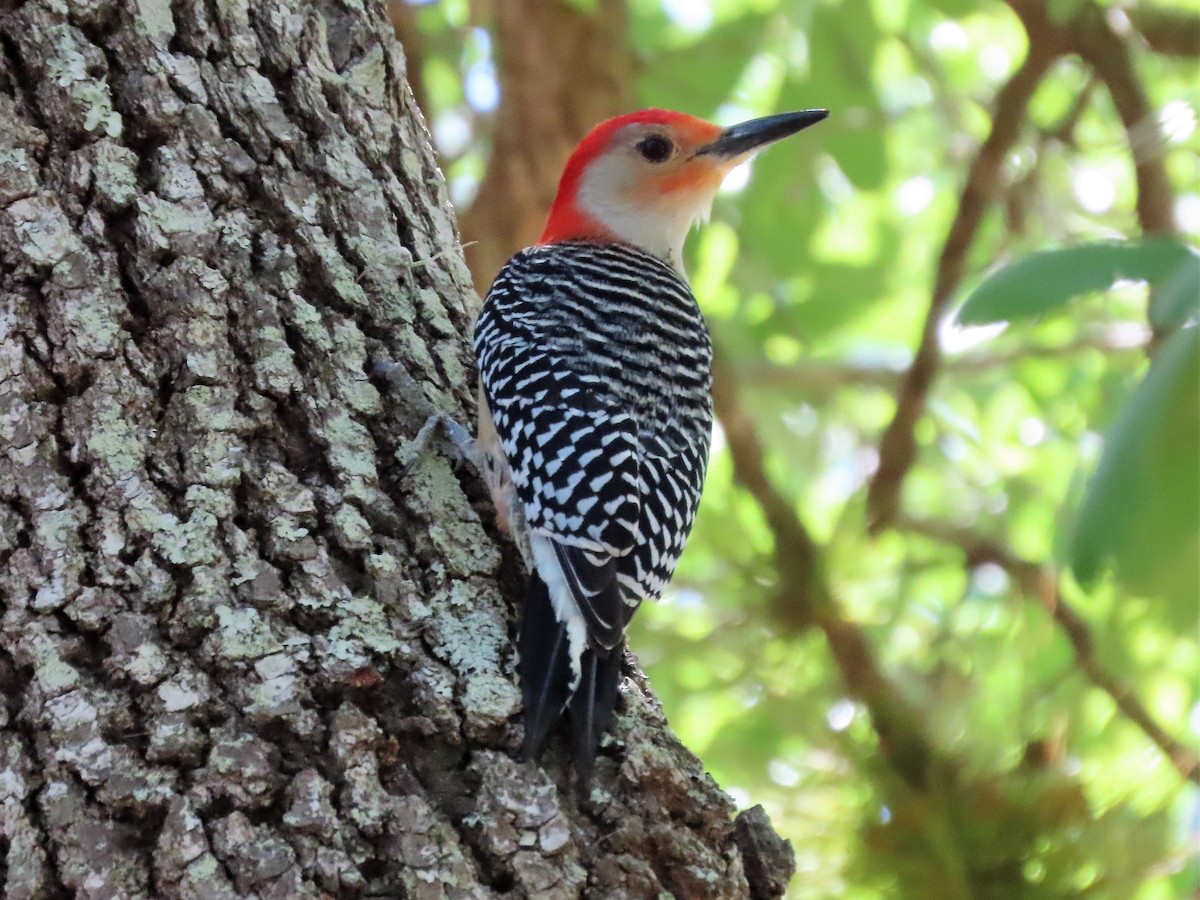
(656, 223)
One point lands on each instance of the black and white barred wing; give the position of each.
(575, 469)
(596, 368)
(595, 363)
(573, 455)
(669, 489)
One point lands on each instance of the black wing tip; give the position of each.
(544, 660)
(596, 592)
(593, 705)
(545, 665)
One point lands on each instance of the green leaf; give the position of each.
(700, 76)
(1141, 510)
(954, 9)
(781, 206)
(1042, 281)
(843, 40)
(1063, 11)
(861, 153)
(1177, 298)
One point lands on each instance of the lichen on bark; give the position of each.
(242, 656)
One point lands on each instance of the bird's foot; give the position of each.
(465, 448)
(401, 382)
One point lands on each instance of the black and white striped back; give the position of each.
(597, 369)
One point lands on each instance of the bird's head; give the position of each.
(646, 177)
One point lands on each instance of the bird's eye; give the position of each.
(655, 148)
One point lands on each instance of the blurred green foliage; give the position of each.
(815, 275)
(1140, 508)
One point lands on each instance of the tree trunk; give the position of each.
(242, 654)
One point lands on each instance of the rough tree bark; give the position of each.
(241, 656)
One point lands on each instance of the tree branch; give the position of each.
(1042, 582)
(826, 376)
(1091, 35)
(1104, 50)
(805, 599)
(898, 447)
(1171, 32)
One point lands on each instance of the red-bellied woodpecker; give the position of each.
(596, 410)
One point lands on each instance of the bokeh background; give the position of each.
(943, 635)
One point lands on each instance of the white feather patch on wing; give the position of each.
(565, 608)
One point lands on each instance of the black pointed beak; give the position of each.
(744, 137)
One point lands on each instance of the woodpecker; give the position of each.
(596, 410)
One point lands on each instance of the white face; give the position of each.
(649, 187)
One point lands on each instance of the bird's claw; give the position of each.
(399, 379)
(464, 444)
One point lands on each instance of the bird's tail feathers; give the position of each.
(593, 703)
(545, 661)
(544, 650)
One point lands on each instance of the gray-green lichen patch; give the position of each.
(26, 862)
(338, 275)
(517, 818)
(351, 529)
(83, 305)
(317, 585)
(35, 233)
(178, 712)
(309, 800)
(433, 861)
(289, 540)
(242, 634)
(18, 170)
(367, 77)
(433, 690)
(467, 631)
(274, 370)
(188, 689)
(110, 423)
(282, 489)
(264, 862)
(134, 650)
(363, 800)
(325, 847)
(185, 865)
(241, 769)
(174, 178)
(185, 228)
(152, 20)
(206, 877)
(189, 542)
(113, 174)
(455, 533)
(91, 851)
(351, 450)
(350, 380)
(282, 695)
(174, 739)
(184, 75)
(199, 599)
(72, 74)
(363, 628)
(78, 717)
(53, 675)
